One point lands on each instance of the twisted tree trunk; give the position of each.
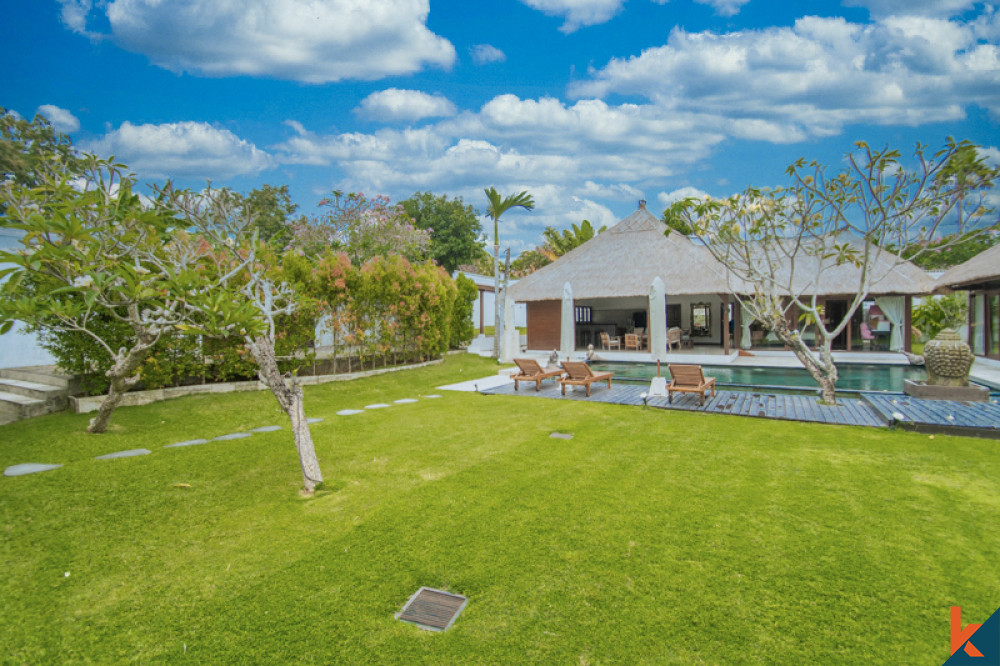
(823, 369)
(288, 393)
(123, 376)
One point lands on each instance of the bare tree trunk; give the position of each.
(123, 377)
(823, 369)
(290, 398)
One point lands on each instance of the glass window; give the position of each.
(994, 311)
(977, 325)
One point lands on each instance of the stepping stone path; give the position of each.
(266, 429)
(28, 468)
(32, 468)
(131, 453)
(190, 442)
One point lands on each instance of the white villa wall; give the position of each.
(17, 348)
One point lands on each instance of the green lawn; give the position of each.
(651, 536)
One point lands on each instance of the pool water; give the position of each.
(852, 377)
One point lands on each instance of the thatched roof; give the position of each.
(981, 269)
(624, 260)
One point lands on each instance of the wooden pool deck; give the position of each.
(976, 419)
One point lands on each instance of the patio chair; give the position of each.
(632, 342)
(866, 336)
(579, 373)
(674, 338)
(608, 342)
(531, 371)
(689, 379)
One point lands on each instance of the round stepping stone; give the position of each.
(404, 401)
(28, 468)
(314, 419)
(266, 429)
(233, 435)
(432, 396)
(131, 453)
(350, 412)
(377, 405)
(189, 442)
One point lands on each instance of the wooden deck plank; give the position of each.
(871, 410)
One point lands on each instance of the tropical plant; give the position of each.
(559, 243)
(937, 313)
(498, 206)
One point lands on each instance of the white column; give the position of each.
(658, 320)
(511, 342)
(567, 324)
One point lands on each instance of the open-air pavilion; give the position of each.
(618, 281)
(980, 276)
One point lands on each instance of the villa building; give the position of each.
(611, 275)
(980, 276)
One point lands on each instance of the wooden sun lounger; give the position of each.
(531, 371)
(689, 379)
(579, 373)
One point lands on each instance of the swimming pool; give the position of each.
(852, 377)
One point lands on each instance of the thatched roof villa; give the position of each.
(611, 275)
(980, 276)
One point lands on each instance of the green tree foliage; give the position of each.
(674, 219)
(529, 261)
(499, 205)
(559, 243)
(462, 330)
(948, 251)
(29, 150)
(937, 313)
(453, 226)
(362, 227)
(272, 209)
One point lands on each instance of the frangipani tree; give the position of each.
(247, 298)
(779, 246)
(91, 250)
(498, 206)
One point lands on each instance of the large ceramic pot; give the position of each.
(948, 359)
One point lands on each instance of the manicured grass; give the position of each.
(650, 536)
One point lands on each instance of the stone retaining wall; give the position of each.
(85, 404)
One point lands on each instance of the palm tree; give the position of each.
(561, 243)
(498, 206)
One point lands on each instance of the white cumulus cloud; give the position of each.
(61, 119)
(483, 54)
(939, 8)
(724, 7)
(303, 40)
(811, 79)
(406, 105)
(577, 13)
(185, 149)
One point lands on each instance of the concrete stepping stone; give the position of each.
(350, 412)
(377, 405)
(266, 429)
(404, 401)
(561, 435)
(189, 442)
(432, 396)
(131, 453)
(232, 435)
(29, 468)
(314, 419)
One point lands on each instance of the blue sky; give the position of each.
(589, 105)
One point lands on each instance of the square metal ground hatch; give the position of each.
(432, 609)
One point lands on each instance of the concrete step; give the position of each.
(14, 407)
(45, 392)
(42, 374)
